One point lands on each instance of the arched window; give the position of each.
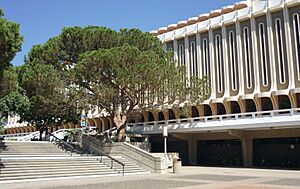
(205, 56)
(219, 63)
(247, 58)
(280, 55)
(263, 54)
(297, 41)
(193, 60)
(232, 61)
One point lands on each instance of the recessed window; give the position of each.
(297, 41)
(181, 59)
(247, 58)
(219, 63)
(193, 59)
(280, 55)
(263, 54)
(205, 57)
(232, 60)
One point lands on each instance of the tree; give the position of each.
(45, 90)
(119, 72)
(137, 75)
(14, 104)
(9, 81)
(10, 42)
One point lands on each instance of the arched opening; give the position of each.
(298, 100)
(207, 110)
(150, 117)
(250, 105)
(221, 109)
(171, 114)
(266, 104)
(106, 123)
(131, 119)
(91, 123)
(140, 118)
(161, 116)
(195, 112)
(284, 102)
(235, 107)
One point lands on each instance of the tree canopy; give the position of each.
(116, 71)
(10, 42)
(11, 101)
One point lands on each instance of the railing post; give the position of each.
(111, 164)
(291, 112)
(123, 170)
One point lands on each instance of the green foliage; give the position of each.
(14, 103)
(9, 81)
(10, 42)
(45, 91)
(117, 71)
(137, 72)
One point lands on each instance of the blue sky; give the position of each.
(43, 19)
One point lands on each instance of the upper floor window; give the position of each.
(281, 68)
(263, 54)
(181, 55)
(247, 57)
(205, 57)
(193, 59)
(232, 60)
(219, 63)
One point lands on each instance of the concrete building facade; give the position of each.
(250, 52)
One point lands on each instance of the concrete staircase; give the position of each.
(20, 161)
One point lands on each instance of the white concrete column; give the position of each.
(199, 55)
(289, 44)
(247, 150)
(187, 55)
(271, 52)
(240, 61)
(193, 151)
(175, 51)
(255, 56)
(226, 87)
(212, 65)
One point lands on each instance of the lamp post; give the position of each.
(165, 135)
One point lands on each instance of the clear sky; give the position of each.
(43, 19)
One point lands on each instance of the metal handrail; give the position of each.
(99, 152)
(63, 142)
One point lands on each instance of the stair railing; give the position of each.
(112, 160)
(62, 144)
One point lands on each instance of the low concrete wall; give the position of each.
(149, 161)
(155, 164)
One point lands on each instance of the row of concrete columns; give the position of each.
(246, 138)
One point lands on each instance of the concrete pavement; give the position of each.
(189, 178)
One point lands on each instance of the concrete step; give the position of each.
(56, 175)
(50, 167)
(101, 168)
(45, 165)
(35, 160)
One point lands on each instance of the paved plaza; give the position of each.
(189, 178)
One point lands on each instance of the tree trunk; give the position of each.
(42, 129)
(120, 121)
